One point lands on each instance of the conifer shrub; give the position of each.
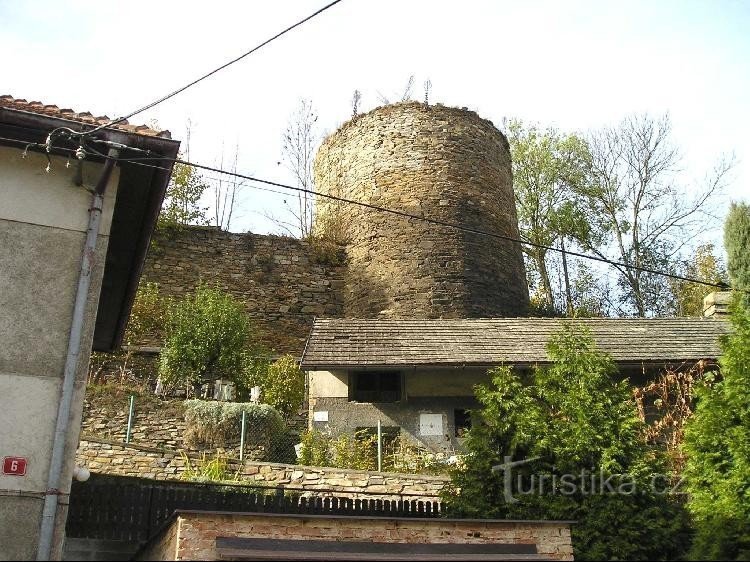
(717, 439)
(574, 428)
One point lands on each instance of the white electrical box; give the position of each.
(321, 416)
(431, 424)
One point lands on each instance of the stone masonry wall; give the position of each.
(437, 162)
(156, 451)
(283, 281)
(107, 456)
(197, 532)
(162, 426)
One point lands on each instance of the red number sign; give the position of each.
(14, 466)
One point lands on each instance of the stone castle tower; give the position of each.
(443, 163)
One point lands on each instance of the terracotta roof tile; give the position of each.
(7, 101)
(343, 343)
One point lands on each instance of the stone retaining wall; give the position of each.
(106, 456)
(162, 426)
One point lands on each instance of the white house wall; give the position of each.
(43, 220)
(425, 413)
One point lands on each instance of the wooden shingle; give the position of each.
(347, 343)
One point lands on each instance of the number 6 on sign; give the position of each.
(14, 466)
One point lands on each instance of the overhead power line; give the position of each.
(142, 161)
(212, 72)
(439, 222)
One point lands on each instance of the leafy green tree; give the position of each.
(147, 316)
(182, 201)
(590, 296)
(704, 265)
(549, 169)
(207, 333)
(737, 245)
(145, 326)
(282, 383)
(561, 420)
(717, 439)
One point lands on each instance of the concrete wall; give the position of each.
(196, 533)
(442, 163)
(43, 221)
(426, 392)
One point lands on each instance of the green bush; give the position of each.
(208, 470)
(563, 419)
(355, 451)
(218, 424)
(147, 316)
(315, 449)
(206, 336)
(282, 383)
(403, 455)
(717, 439)
(359, 451)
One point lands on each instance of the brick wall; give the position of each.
(163, 547)
(197, 532)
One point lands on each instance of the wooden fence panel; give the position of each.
(133, 509)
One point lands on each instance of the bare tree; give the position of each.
(405, 95)
(409, 87)
(647, 215)
(226, 189)
(427, 91)
(298, 152)
(356, 98)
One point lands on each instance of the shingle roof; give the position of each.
(336, 343)
(53, 111)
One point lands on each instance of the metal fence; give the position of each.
(132, 509)
(244, 435)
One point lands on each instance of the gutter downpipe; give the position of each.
(88, 259)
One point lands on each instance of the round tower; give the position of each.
(438, 162)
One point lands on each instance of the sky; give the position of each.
(575, 65)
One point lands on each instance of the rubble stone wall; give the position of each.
(437, 162)
(107, 456)
(284, 282)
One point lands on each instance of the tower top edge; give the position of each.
(437, 109)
